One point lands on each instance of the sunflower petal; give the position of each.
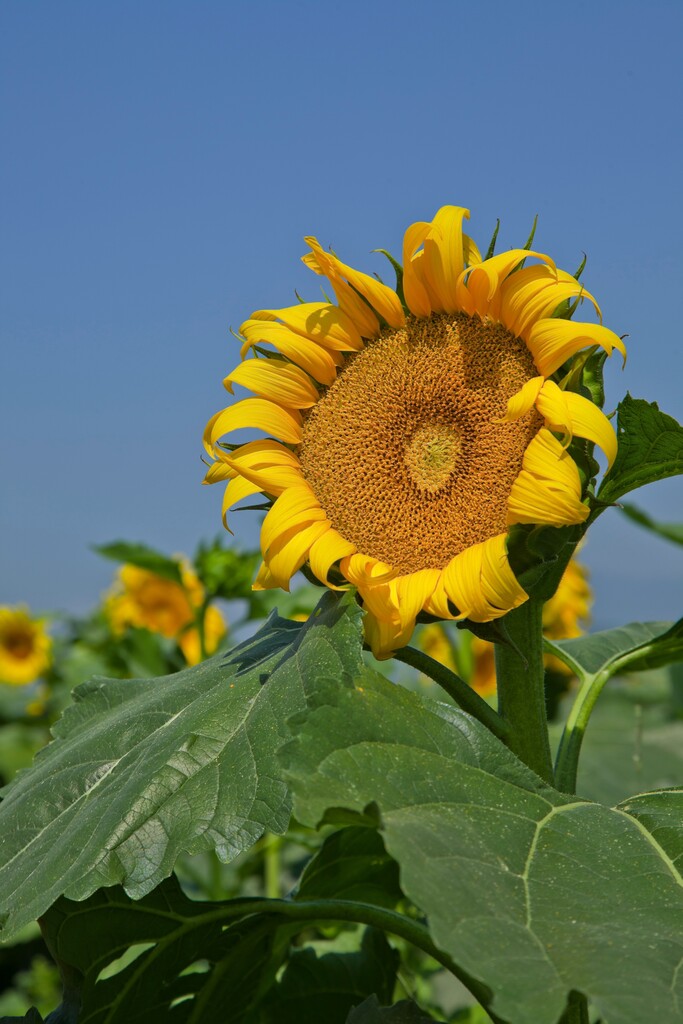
(328, 549)
(478, 287)
(551, 341)
(322, 322)
(256, 413)
(412, 593)
(548, 488)
(444, 255)
(480, 582)
(520, 403)
(308, 355)
(290, 550)
(264, 579)
(276, 380)
(415, 289)
(384, 638)
(236, 490)
(297, 506)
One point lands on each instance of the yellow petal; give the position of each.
(533, 294)
(328, 549)
(553, 406)
(548, 489)
(309, 355)
(437, 604)
(256, 413)
(352, 287)
(412, 593)
(264, 579)
(520, 403)
(236, 490)
(217, 473)
(295, 506)
(590, 422)
(414, 287)
(320, 321)
(478, 287)
(444, 255)
(384, 638)
(290, 549)
(363, 571)
(480, 582)
(275, 380)
(551, 341)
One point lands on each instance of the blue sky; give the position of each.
(163, 161)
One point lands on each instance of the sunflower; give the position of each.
(564, 616)
(410, 428)
(24, 646)
(146, 600)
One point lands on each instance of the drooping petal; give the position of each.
(276, 380)
(322, 322)
(520, 403)
(412, 592)
(384, 637)
(551, 341)
(548, 488)
(290, 549)
(534, 293)
(256, 413)
(317, 361)
(328, 549)
(478, 288)
(480, 582)
(264, 579)
(381, 298)
(237, 489)
(297, 506)
(218, 472)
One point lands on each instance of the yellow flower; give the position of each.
(143, 599)
(565, 615)
(24, 646)
(406, 439)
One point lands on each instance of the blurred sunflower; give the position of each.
(411, 427)
(145, 600)
(24, 646)
(565, 615)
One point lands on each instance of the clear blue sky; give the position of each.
(162, 161)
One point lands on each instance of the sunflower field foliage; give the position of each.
(415, 786)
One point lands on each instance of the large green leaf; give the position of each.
(370, 1012)
(532, 892)
(650, 449)
(669, 531)
(314, 988)
(632, 648)
(163, 958)
(143, 769)
(352, 864)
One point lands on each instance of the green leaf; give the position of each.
(632, 648)
(650, 449)
(531, 892)
(141, 770)
(225, 572)
(164, 957)
(670, 531)
(143, 557)
(405, 1012)
(314, 989)
(352, 864)
(630, 746)
(661, 813)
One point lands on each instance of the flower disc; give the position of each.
(405, 451)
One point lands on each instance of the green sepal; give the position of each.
(492, 244)
(539, 555)
(398, 269)
(142, 556)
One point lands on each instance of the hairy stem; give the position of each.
(521, 696)
(456, 688)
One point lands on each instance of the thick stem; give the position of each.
(521, 696)
(577, 1010)
(463, 695)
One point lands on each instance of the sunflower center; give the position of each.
(432, 454)
(18, 643)
(404, 452)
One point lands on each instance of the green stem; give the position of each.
(567, 760)
(463, 695)
(576, 1011)
(323, 911)
(271, 866)
(521, 696)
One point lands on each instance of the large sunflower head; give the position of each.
(25, 647)
(409, 428)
